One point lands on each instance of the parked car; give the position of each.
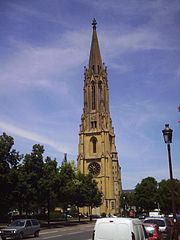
(164, 224)
(119, 228)
(152, 231)
(81, 215)
(21, 228)
(64, 215)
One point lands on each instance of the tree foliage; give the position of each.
(150, 195)
(165, 195)
(146, 194)
(66, 185)
(31, 183)
(86, 191)
(48, 186)
(9, 159)
(128, 200)
(77, 189)
(29, 174)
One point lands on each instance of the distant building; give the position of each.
(129, 190)
(97, 151)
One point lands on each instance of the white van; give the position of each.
(119, 229)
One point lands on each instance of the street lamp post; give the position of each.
(167, 134)
(125, 209)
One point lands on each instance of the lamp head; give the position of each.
(167, 134)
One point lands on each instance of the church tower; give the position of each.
(97, 151)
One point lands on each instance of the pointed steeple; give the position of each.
(95, 62)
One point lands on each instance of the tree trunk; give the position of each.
(48, 208)
(90, 210)
(79, 217)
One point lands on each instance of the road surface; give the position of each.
(78, 232)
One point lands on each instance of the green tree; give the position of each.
(131, 199)
(66, 185)
(86, 192)
(92, 193)
(146, 194)
(165, 197)
(48, 185)
(8, 157)
(128, 200)
(9, 160)
(29, 174)
(77, 189)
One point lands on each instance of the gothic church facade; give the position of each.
(97, 151)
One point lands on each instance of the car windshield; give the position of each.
(159, 222)
(18, 223)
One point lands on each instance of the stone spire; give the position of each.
(95, 62)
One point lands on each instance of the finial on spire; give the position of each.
(94, 23)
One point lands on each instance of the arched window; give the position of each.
(93, 96)
(94, 144)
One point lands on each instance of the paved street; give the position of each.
(78, 232)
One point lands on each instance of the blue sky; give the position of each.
(44, 46)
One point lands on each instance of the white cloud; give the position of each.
(121, 67)
(20, 12)
(43, 65)
(32, 136)
(38, 65)
(158, 12)
(115, 43)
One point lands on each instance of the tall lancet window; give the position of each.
(93, 96)
(99, 92)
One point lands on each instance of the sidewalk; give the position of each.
(57, 224)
